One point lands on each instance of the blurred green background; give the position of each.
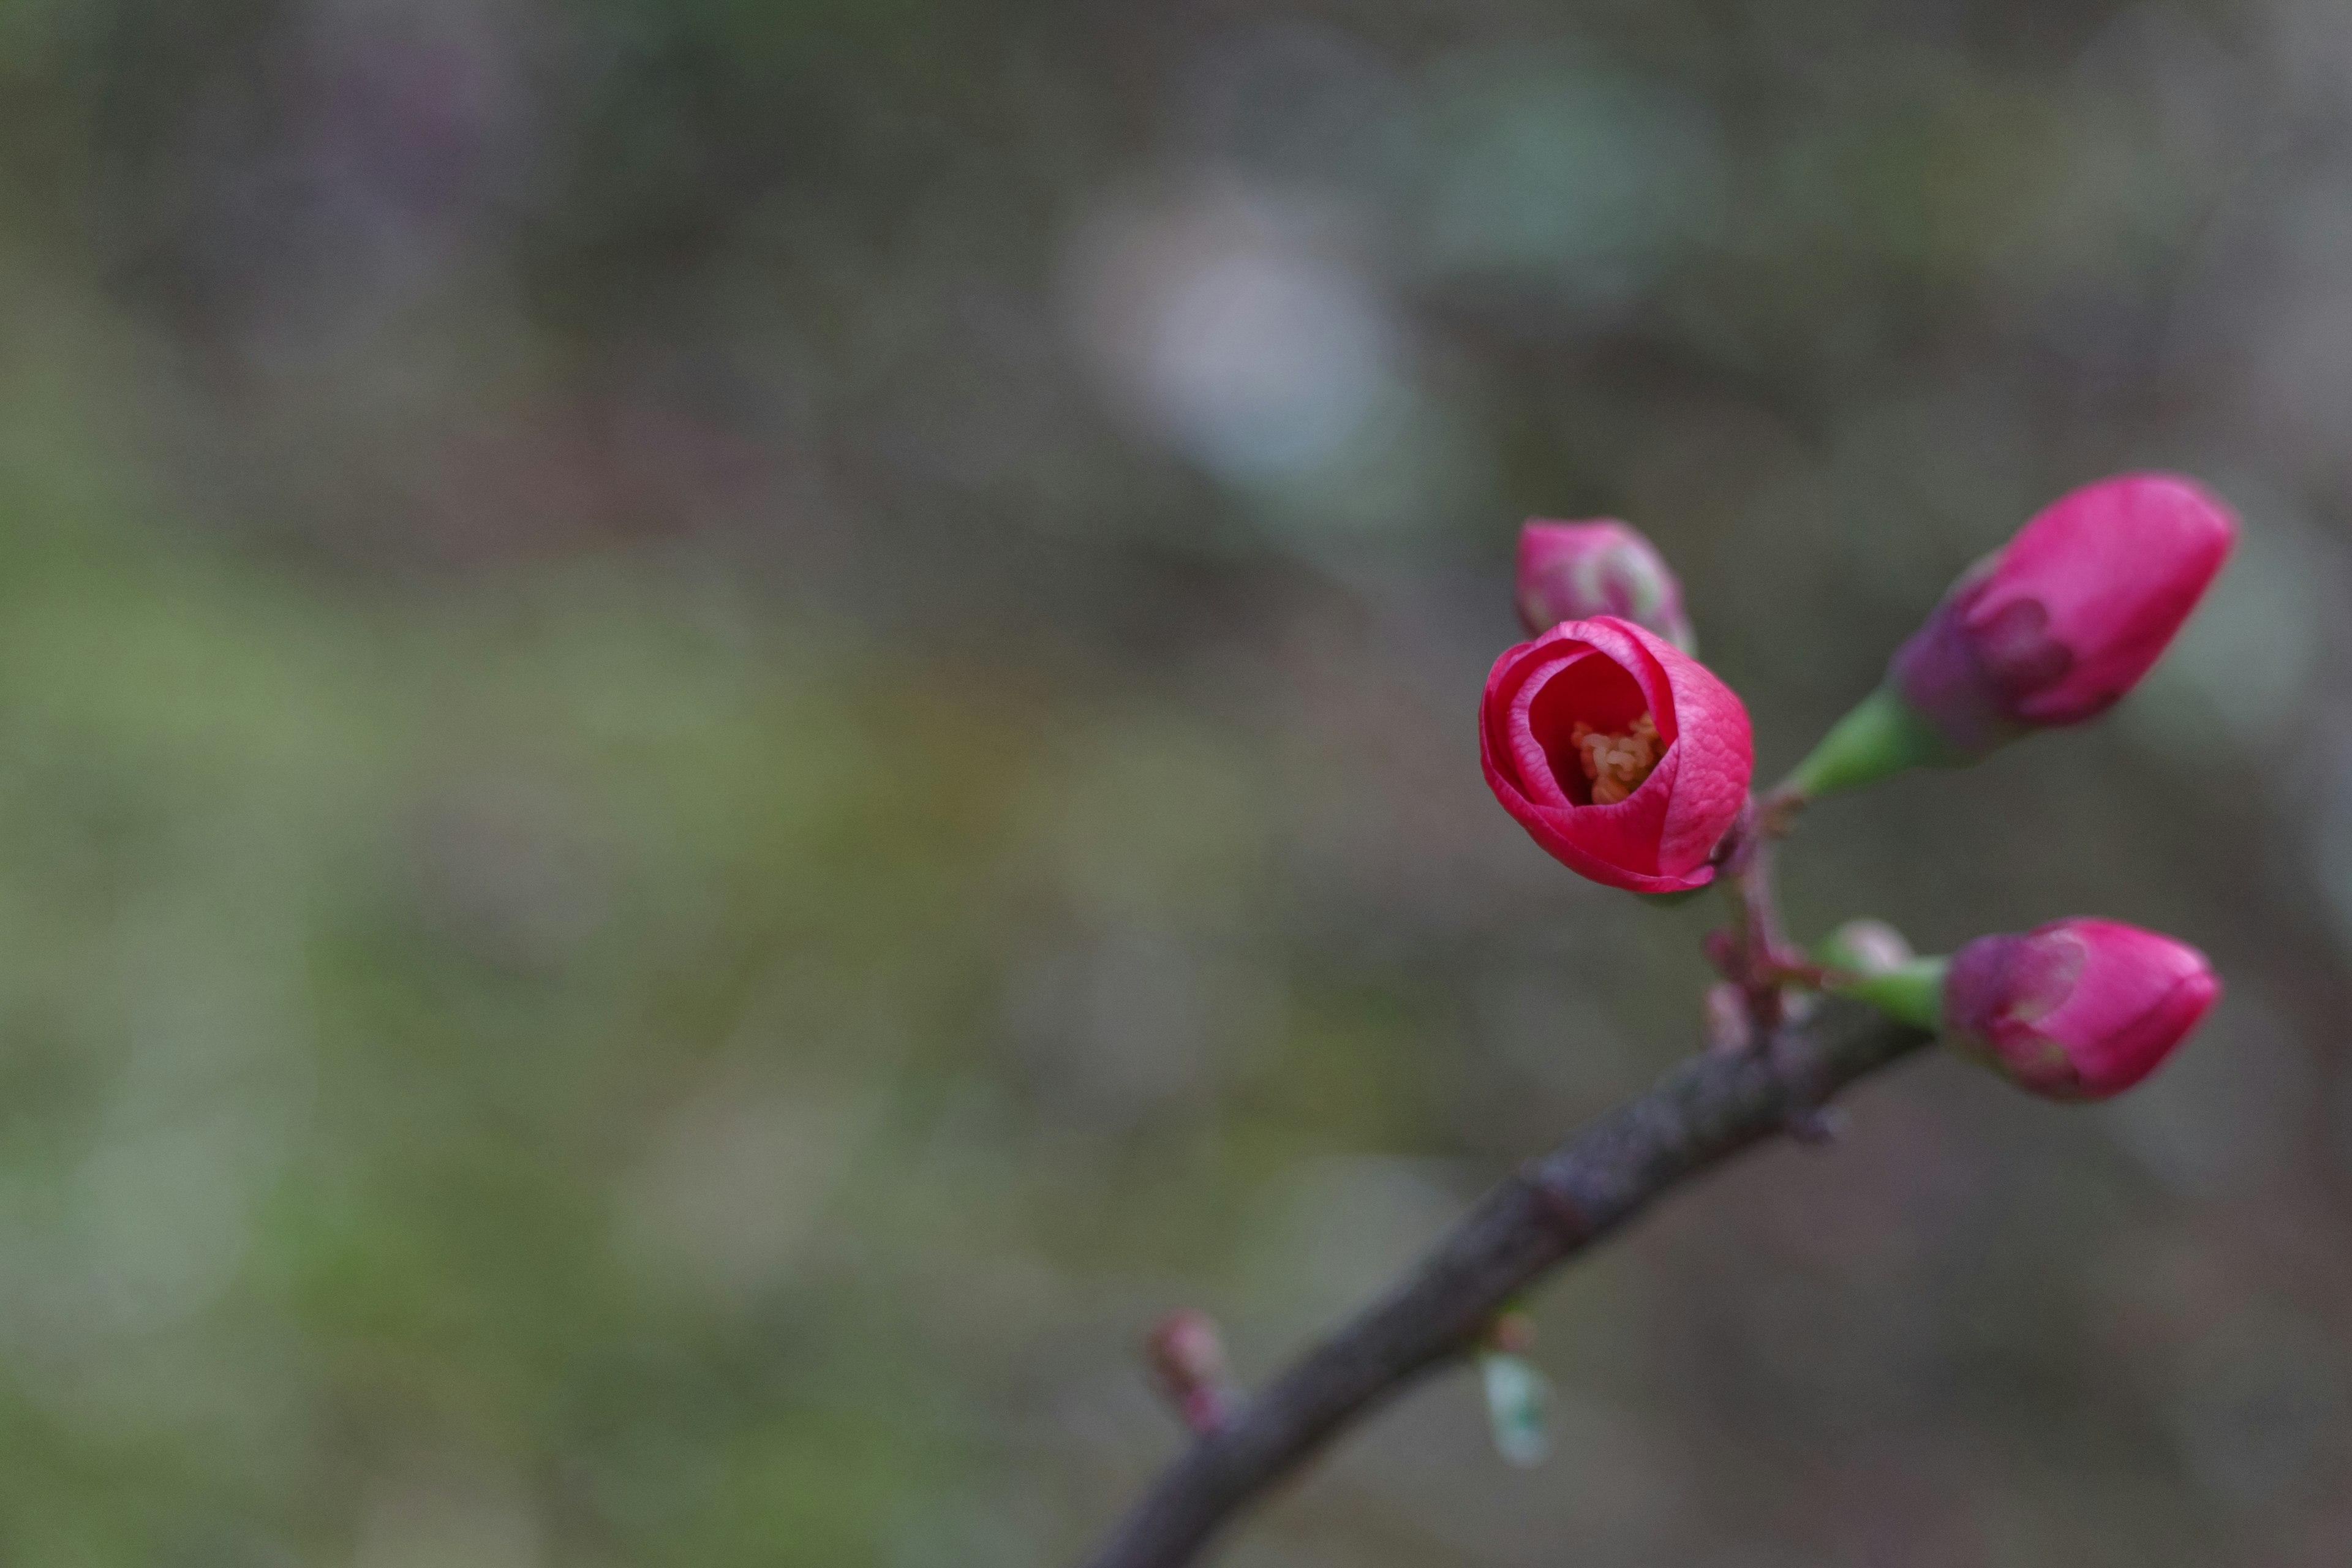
(726, 729)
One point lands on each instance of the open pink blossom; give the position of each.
(1624, 757)
(2069, 615)
(2078, 1009)
(1570, 571)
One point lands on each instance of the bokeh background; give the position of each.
(727, 728)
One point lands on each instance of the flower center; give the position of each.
(1617, 764)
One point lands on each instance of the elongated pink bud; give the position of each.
(1575, 571)
(2069, 615)
(2078, 1009)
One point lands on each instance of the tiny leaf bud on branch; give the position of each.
(1872, 962)
(1188, 1361)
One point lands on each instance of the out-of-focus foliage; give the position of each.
(727, 728)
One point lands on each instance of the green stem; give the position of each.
(1912, 993)
(1883, 735)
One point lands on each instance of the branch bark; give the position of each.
(1705, 1111)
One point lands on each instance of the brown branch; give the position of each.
(1703, 1112)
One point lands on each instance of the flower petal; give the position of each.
(1659, 838)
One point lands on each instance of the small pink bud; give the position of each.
(1620, 754)
(2078, 1009)
(2070, 615)
(1575, 571)
(1187, 1358)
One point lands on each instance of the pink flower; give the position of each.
(2070, 615)
(2078, 1009)
(1624, 757)
(1570, 571)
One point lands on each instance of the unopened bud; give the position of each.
(1575, 571)
(2070, 615)
(2053, 629)
(1866, 947)
(2078, 1009)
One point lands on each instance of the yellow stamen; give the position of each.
(1617, 764)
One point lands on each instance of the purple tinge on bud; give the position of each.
(2070, 615)
(2078, 1009)
(1575, 571)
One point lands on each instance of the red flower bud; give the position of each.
(2078, 1009)
(2070, 615)
(1624, 757)
(1571, 570)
